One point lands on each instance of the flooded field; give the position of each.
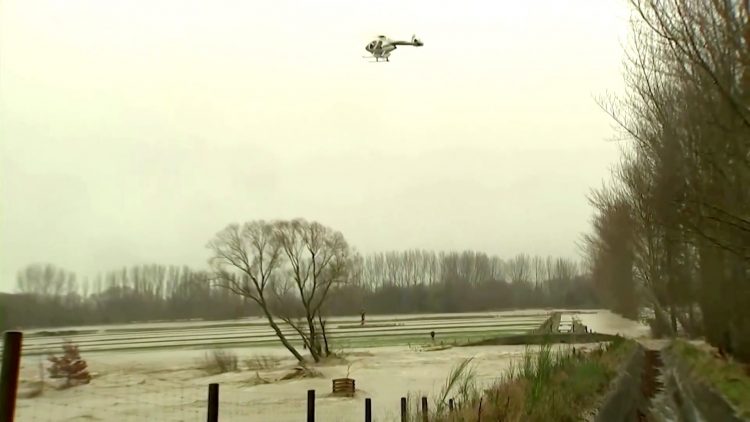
(153, 371)
(346, 332)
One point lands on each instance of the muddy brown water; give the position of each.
(650, 381)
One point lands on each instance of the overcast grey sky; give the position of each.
(131, 132)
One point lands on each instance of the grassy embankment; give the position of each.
(544, 385)
(729, 378)
(548, 332)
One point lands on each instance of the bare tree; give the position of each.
(685, 174)
(245, 259)
(44, 280)
(540, 270)
(318, 259)
(610, 249)
(519, 269)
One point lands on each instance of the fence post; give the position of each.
(213, 402)
(425, 413)
(368, 410)
(403, 409)
(310, 405)
(9, 377)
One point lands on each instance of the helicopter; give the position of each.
(382, 47)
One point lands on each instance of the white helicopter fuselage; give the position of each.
(382, 46)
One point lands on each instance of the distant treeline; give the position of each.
(394, 282)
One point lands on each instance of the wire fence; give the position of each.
(192, 403)
(117, 393)
(126, 387)
(126, 403)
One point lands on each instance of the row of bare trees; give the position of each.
(295, 274)
(420, 267)
(157, 292)
(149, 292)
(672, 230)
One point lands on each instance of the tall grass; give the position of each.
(536, 369)
(461, 382)
(459, 386)
(543, 385)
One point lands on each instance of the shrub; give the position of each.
(69, 366)
(219, 361)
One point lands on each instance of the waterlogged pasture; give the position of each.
(345, 332)
(153, 371)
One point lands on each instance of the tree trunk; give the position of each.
(281, 336)
(314, 342)
(323, 331)
(660, 313)
(710, 299)
(691, 320)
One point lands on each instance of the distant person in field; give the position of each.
(432, 334)
(362, 322)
